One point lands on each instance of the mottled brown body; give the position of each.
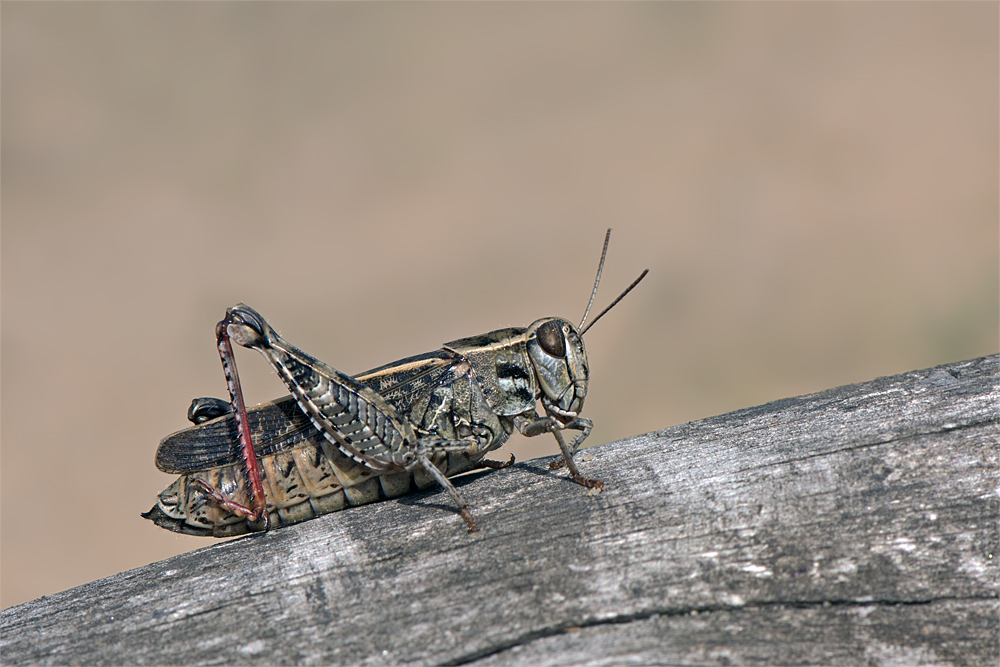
(303, 476)
(342, 440)
(299, 484)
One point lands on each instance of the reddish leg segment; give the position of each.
(222, 501)
(258, 504)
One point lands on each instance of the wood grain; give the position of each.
(858, 525)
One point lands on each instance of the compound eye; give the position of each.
(550, 338)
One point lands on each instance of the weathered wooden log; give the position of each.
(858, 525)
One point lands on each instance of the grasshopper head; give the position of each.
(560, 361)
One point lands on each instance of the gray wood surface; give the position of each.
(855, 526)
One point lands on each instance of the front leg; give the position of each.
(532, 427)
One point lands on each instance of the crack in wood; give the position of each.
(562, 628)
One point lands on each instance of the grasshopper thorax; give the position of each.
(559, 358)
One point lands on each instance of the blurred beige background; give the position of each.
(814, 188)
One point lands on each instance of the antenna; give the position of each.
(615, 302)
(597, 281)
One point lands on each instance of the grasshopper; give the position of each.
(340, 440)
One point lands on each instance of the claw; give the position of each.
(588, 483)
(497, 465)
(469, 520)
